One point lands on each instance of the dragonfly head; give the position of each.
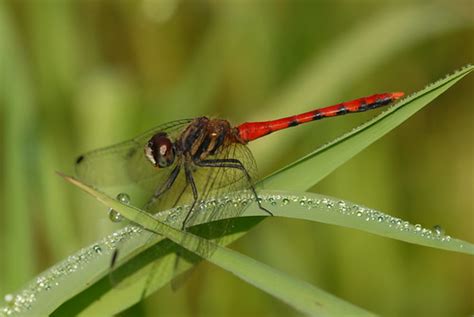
(160, 150)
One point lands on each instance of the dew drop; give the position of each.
(342, 206)
(438, 230)
(446, 238)
(272, 201)
(123, 198)
(329, 203)
(202, 206)
(309, 204)
(285, 201)
(8, 298)
(114, 215)
(97, 249)
(417, 227)
(172, 217)
(393, 221)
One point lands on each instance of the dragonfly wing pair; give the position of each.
(125, 164)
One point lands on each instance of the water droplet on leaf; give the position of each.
(123, 198)
(115, 216)
(438, 230)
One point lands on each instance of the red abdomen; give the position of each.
(253, 130)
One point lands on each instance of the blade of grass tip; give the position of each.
(19, 115)
(309, 170)
(300, 295)
(326, 209)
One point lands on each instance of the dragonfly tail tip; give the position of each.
(398, 95)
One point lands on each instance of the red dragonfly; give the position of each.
(188, 162)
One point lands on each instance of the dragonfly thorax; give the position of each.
(205, 137)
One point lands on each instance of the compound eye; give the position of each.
(160, 150)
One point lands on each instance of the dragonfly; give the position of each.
(187, 162)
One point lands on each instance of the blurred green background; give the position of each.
(77, 75)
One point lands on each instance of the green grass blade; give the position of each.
(309, 170)
(312, 207)
(325, 209)
(307, 206)
(300, 295)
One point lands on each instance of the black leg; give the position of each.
(113, 261)
(114, 258)
(167, 185)
(190, 180)
(233, 163)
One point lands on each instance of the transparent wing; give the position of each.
(124, 163)
(224, 185)
(212, 183)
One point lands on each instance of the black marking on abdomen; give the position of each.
(79, 159)
(293, 123)
(380, 102)
(318, 115)
(363, 107)
(342, 110)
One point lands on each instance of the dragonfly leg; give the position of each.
(190, 181)
(166, 185)
(233, 163)
(113, 261)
